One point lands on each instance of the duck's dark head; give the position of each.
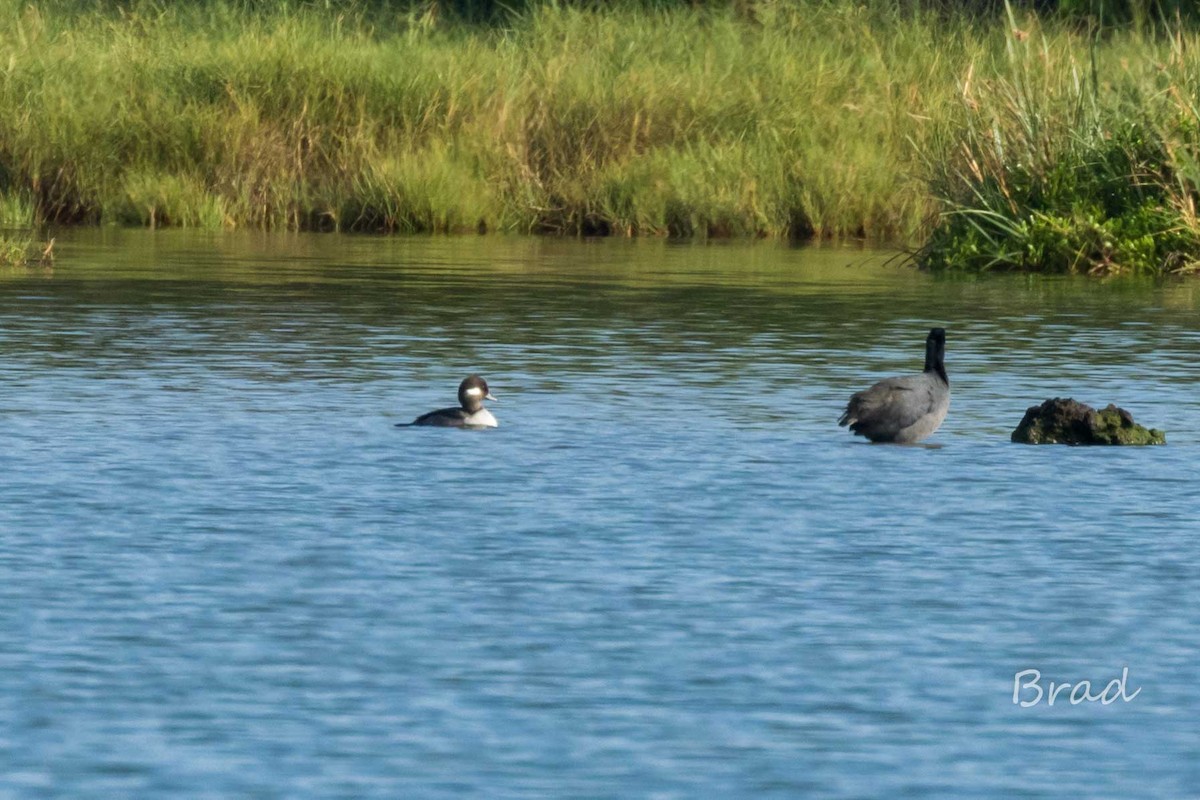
(472, 392)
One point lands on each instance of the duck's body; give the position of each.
(470, 413)
(457, 418)
(904, 410)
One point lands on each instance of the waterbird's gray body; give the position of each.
(907, 409)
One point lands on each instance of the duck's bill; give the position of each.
(489, 396)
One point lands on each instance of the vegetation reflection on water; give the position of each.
(667, 571)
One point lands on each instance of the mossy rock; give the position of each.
(1064, 421)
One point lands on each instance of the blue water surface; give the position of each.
(668, 573)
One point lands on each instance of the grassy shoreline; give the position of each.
(1018, 143)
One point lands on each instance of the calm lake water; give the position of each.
(225, 573)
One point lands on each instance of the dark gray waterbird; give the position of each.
(907, 409)
(470, 413)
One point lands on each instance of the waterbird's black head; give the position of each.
(935, 352)
(472, 392)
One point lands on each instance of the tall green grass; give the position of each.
(797, 122)
(998, 143)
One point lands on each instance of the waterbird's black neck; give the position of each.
(935, 354)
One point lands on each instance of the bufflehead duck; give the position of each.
(471, 414)
(904, 410)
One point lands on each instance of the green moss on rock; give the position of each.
(1065, 421)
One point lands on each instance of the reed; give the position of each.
(1070, 159)
(987, 142)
